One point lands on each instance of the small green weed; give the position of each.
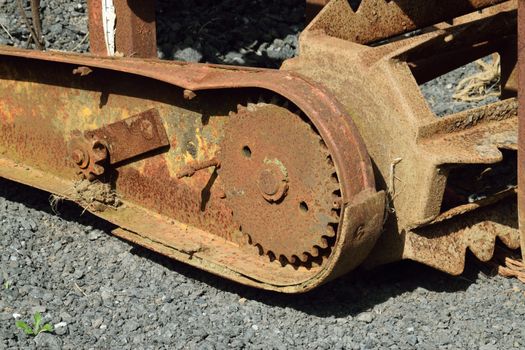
(7, 284)
(37, 325)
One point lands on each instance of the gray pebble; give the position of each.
(187, 55)
(366, 317)
(48, 341)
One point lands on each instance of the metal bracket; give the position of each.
(117, 142)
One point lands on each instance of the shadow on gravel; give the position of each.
(40, 200)
(348, 295)
(246, 33)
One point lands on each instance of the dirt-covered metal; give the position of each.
(416, 154)
(187, 217)
(340, 162)
(376, 20)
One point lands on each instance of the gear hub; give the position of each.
(273, 181)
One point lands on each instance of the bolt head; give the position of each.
(272, 183)
(80, 158)
(268, 182)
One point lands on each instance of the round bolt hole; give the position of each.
(303, 207)
(247, 151)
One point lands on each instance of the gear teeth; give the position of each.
(315, 251)
(324, 243)
(251, 107)
(317, 262)
(333, 218)
(305, 257)
(240, 108)
(283, 260)
(330, 230)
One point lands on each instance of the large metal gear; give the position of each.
(280, 182)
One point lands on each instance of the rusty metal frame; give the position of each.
(376, 20)
(361, 91)
(378, 85)
(139, 185)
(134, 32)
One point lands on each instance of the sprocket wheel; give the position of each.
(280, 182)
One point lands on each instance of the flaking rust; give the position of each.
(415, 152)
(340, 162)
(170, 213)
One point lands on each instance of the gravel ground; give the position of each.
(103, 293)
(64, 25)
(439, 91)
(254, 33)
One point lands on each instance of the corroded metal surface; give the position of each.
(416, 154)
(274, 164)
(134, 33)
(92, 150)
(97, 41)
(379, 19)
(223, 173)
(136, 30)
(444, 245)
(187, 216)
(326, 114)
(132, 136)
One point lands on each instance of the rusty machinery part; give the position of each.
(90, 155)
(417, 154)
(172, 196)
(281, 183)
(375, 20)
(94, 150)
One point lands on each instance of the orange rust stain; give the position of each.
(194, 201)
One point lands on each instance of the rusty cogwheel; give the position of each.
(280, 182)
